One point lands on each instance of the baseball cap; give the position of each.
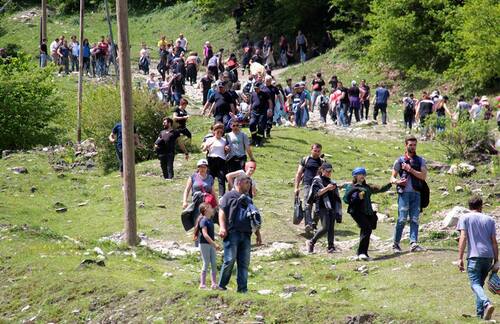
(202, 162)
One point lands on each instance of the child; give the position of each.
(358, 196)
(208, 246)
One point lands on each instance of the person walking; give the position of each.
(408, 111)
(358, 197)
(240, 148)
(217, 150)
(236, 231)
(165, 148)
(204, 234)
(301, 46)
(325, 194)
(478, 234)
(380, 100)
(364, 96)
(317, 87)
(354, 101)
(44, 57)
(260, 109)
(412, 172)
(307, 170)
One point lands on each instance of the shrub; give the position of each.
(101, 111)
(459, 142)
(28, 104)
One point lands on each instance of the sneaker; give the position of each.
(396, 248)
(416, 248)
(488, 312)
(214, 287)
(331, 250)
(364, 257)
(203, 287)
(310, 246)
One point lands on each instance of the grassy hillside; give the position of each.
(40, 263)
(144, 27)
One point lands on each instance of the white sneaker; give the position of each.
(416, 248)
(364, 257)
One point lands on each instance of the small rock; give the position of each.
(297, 276)
(19, 170)
(265, 292)
(167, 275)
(218, 316)
(286, 295)
(61, 210)
(459, 189)
(290, 289)
(462, 170)
(98, 251)
(333, 267)
(140, 204)
(443, 188)
(75, 311)
(83, 203)
(59, 204)
(106, 186)
(452, 217)
(259, 318)
(312, 292)
(33, 189)
(25, 308)
(161, 206)
(477, 191)
(445, 194)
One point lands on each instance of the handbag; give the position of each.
(207, 197)
(298, 212)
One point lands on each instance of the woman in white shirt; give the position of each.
(217, 150)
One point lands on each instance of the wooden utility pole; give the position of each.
(127, 124)
(80, 78)
(112, 45)
(43, 26)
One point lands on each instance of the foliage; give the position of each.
(477, 60)
(28, 104)
(458, 141)
(101, 111)
(348, 16)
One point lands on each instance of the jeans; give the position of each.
(383, 108)
(176, 97)
(408, 207)
(74, 63)
(327, 226)
(236, 248)
(119, 156)
(308, 217)
(343, 114)
(43, 60)
(101, 66)
(477, 270)
(365, 107)
(302, 53)
(167, 165)
(314, 97)
(217, 169)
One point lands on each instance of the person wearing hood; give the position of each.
(358, 197)
(325, 194)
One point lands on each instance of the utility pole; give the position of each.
(43, 27)
(113, 45)
(127, 124)
(80, 78)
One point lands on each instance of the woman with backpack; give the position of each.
(325, 194)
(358, 196)
(200, 181)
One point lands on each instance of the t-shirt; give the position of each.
(229, 203)
(222, 103)
(345, 99)
(238, 144)
(43, 48)
(217, 147)
(463, 105)
(166, 141)
(425, 107)
(320, 83)
(271, 91)
(182, 42)
(397, 167)
(206, 83)
(75, 49)
(353, 91)
(213, 61)
(260, 102)
(311, 166)
(198, 182)
(381, 94)
(181, 113)
(480, 228)
(365, 92)
(53, 46)
(209, 224)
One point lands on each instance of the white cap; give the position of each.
(202, 162)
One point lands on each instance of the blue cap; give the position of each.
(358, 171)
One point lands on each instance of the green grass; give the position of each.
(40, 267)
(147, 28)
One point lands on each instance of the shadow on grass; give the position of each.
(395, 255)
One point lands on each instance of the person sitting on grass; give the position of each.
(358, 196)
(208, 247)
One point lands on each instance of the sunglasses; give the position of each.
(236, 125)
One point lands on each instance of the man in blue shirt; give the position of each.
(236, 233)
(478, 232)
(381, 97)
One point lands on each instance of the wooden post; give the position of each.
(80, 78)
(113, 45)
(43, 27)
(127, 124)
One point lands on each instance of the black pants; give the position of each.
(257, 125)
(119, 156)
(323, 112)
(185, 131)
(215, 71)
(383, 108)
(191, 73)
(205, 96)
(354, 110)
(408, 118)
(236, 163)
(327, 226)
(167, 165)
(365, 107)
(217, 169)
(365, 232)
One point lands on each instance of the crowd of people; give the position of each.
(97, 57)
(260, 103)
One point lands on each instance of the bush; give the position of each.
(461, 141)
(28, 104)
(101, 111)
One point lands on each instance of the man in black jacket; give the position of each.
(165, 148)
